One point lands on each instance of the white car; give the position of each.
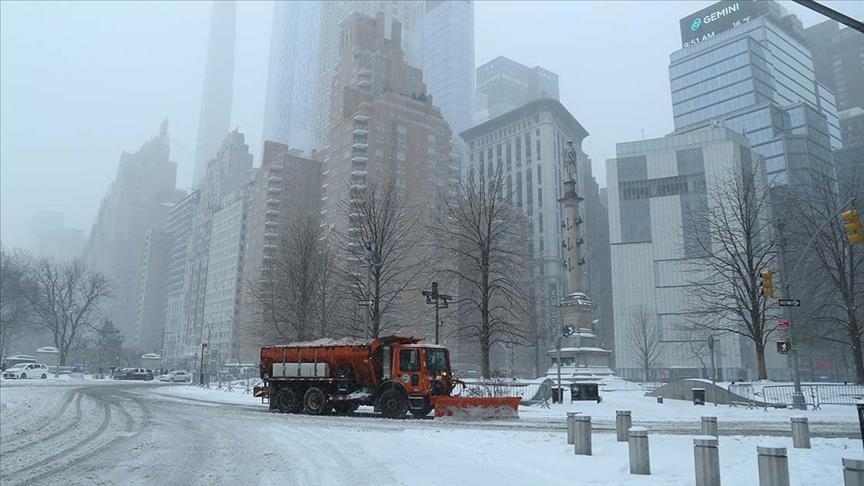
(173, 376)
(22, 371)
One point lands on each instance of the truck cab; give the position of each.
(424, 371)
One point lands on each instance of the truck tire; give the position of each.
(286, 400)
(315, 401)
(420, 413)
(393, 403)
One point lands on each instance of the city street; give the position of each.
(120, 433)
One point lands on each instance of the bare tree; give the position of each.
(14, 309)
(329, 293)
(485, 239)
(65, 298)
(286, 292)
(646, 339)
(836, 294)
(734, 237)
(381, 227)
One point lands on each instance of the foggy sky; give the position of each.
(81, 82)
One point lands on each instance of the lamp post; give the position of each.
(565, 331)
(433, 297)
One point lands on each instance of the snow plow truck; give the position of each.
(393, 374)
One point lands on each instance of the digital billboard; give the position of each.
(717, 18)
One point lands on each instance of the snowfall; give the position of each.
(105, 432)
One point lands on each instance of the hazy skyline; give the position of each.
(81, 82)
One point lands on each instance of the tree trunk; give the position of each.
(855, 342)
(760, 362)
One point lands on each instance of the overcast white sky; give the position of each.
(81, 82)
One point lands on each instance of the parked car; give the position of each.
(134, 374)
(23, 371)
(176, 376)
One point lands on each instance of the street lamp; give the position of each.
(435, 298)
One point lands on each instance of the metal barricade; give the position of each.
(814, 395)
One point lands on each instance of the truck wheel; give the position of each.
(44, 376)
(393, 403)
(315, 401)
(419, 414)
(344, 408)
(286, 401)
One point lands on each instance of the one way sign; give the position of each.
(783, 347)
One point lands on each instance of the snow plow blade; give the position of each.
(474, 408)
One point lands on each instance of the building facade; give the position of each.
(286, 188)
(383, 127)
(150, 315)
(291, 106)
(137, 201)
(656, 190)
(178, 228)
(214, 119)
(527, 145)
(758, 79)
(838, 59)
(508, 85)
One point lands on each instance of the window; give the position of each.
(408, 360)
(518, 149)
(436, 360)
(538, 149)
(528, 145)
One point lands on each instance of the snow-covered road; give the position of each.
(123, 433)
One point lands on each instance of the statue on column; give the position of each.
(571, 158)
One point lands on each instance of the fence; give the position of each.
(530, 392)
(814, 395)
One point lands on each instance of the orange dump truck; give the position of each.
(394, 374)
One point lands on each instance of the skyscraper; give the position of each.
(137, 202)
(753, 73)
(291, 103)
(214, 119)
(509, 85)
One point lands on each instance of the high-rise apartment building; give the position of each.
(291, 103)
(216, 214)
(753, 73)
(508, 85)
(178, 228)
(383, 126)
(331, 42)
(214, 119)
(527, 145)
(657, 190)
(136, 202)
(838, 58)
(150, 313)
(286, 188)
(51, 239)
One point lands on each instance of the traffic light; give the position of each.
(766, 283)
(852, 225)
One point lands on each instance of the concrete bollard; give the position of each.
(773, 466)
(709, 426)
(707, 460)
(853, 472)
(582, 435)
(800, 433)
(571, 424)
(622, 424)
(640, 461)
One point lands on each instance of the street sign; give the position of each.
(789, 302)
(783, 347)
(784, 324)
(365, 303)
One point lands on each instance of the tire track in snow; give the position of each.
(15, 425)
(34, 439)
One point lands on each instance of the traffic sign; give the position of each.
(365, 303)
(784, 324)
(783, 347)
(789, 302)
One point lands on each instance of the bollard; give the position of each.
(640, 462)
(707, 460)
(571, 425)
(582, 435)
(800, 433)
(709, 426)
(622, 424)
(853, 472)
(773, 466)
(659, 399)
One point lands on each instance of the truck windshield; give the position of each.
(436, 359)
